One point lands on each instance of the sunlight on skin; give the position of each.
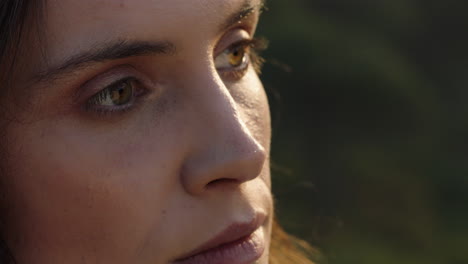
(140, 141)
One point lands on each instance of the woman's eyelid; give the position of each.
(230, 39)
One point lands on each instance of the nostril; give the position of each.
(223, 181)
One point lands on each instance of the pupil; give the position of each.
(236, 57)
(122, 93)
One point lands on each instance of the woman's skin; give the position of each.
(150, 180)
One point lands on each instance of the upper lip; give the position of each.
(233, 232)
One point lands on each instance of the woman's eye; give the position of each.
(117, 96)
(233, 59)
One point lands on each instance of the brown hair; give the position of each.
(286, 249)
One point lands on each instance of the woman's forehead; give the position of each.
(74, 24)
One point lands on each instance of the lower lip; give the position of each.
(243, 251)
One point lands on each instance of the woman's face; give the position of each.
(141, 134)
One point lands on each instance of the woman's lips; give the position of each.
(239, 243)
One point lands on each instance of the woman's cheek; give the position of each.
(86, 191)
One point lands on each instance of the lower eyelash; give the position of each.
(109, 111)
(115, 108)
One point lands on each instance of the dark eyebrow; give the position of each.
(106, 52)
(246, 9)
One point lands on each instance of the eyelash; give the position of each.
(250, 48)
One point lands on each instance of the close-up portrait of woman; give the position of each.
(136, 131)
(233, 132)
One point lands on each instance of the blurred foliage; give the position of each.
(369, 104)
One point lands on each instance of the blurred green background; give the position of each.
(370, 115)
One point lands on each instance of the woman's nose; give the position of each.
(226, 154)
